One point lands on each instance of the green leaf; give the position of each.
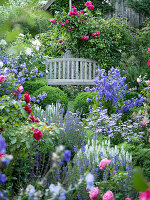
(139, 181)
(13, 141)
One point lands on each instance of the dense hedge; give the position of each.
(32, 86)
(53, 95)
(81, 103)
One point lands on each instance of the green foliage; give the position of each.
(81, 103)
(140, 6)
(53, 95)
(32, 86)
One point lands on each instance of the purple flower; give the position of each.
(2, 145)
(40, 74)
(2, 178)
(36, 70)
(67, 155)
(33, 99)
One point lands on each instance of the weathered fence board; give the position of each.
(71, 71)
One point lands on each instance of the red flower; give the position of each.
(15, 93)
(27, 109)
(27, 97)
(37, 134)
(58, 122)
(2, 78)
(32, 118)
(2, 155)
(37, 120)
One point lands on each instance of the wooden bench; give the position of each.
(71, 71)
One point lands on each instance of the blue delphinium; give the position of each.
(67, 155)
(2, 145)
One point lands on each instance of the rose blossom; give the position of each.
(127, 198)
(114, 172)
(93, 34)
(59, 41)
(15, 93)
(104, 162)
(148, 49)
(37, 134)
(149, 62)
(32, 118)
(94, 193)
(52, 20)
(87, 37)
(20, 89)
(145, 195)
(27, 109)
(87, 189)
(2, 78)
(27, 97)
(82, 20)
(108, 195)
(67, 21)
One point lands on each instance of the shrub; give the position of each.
(53, 95)
(32, 86)
(82, 104)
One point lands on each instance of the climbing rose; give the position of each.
(145, 195)
(27, 109)
(52, 20)
(15, 93)
(20, 89)
(127, 198)
(59, 41)
(104, 162)
(108, 195)
(2, 78)
(149, 62)
(94, 193)
(32, 118)
(87, 37)
(114, 172)
(37, 134)
(27, 97)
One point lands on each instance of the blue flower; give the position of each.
(67, 155)
(89, 181)
(30, 190)
(36, 70)
(27, 71)
(2, 145)
(40, 74)
(33, 99)
(2, 178)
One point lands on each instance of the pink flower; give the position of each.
(149, 62)
(87, 189)
(104, 162)
(138, 80)
(130, 89)
(15, 94)
(87, 37)
(73, 7)
(69, 14)
(94, 193)
(37, 134)
(92, 7)
(93, 34)
(114, 172)
(148, 82)
(82, 20)
(20, 89)
(81, 11)
(127, 198)
(2, 78)
(88, 3)
(32, 118)
(108, 195)
(83, 38)
(67, 21)
(59, 41)
(97, 33)
(27, 97)
(60, 22)
(52, 20)
(143, 123)
(148, 49)
(145, 195)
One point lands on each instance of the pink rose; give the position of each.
(148, 49)
(32, 118)
(2, 78)
(27, 97)
(93, 34)
(149, 62)
(94, 193)
(97, 33)
(114, 172)
(67, 21)
(108, 195)
(37, 134)
(145, 195)
(83, 38)
(15, 94)
(127, 198)
(20, 89)
(59, 41)
(87, 37)
(81, 11)
(52, 20)
(82, 20)
(104, 162)
(87, 189)
(143, 123)
(88, 3)
(92, 7)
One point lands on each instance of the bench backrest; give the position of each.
(71, 71)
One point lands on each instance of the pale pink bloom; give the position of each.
(143, 123)
(87, 189)
(145, 195)
(130, 89)
(114, 172)
(148, 82)
(20, 89)
(148, 49)
(138, 80)
(108, 195)
(104, 162)
(2, 78)
(127, 198)
(94, 193)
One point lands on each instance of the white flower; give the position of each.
(21, 35)
(36, 44)
(28, 51)
(3, 42)
(1, 64)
